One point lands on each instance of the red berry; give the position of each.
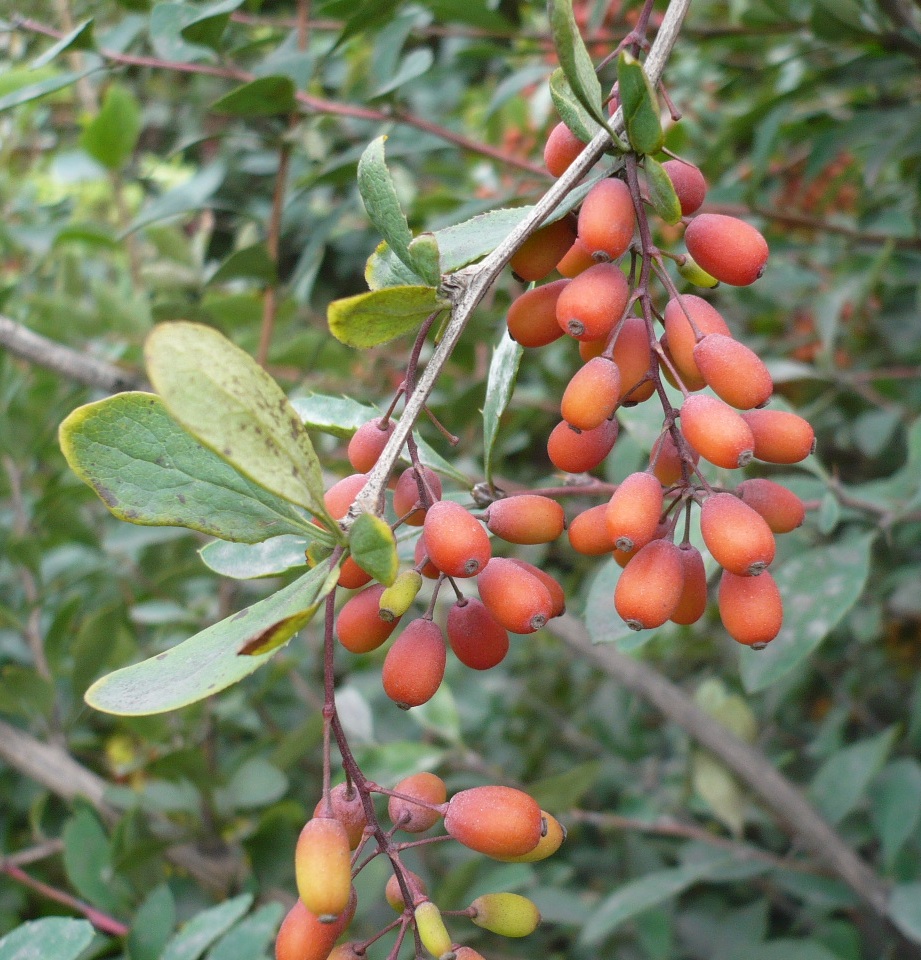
(649, 589)
(562, 147)
(526, 518)
(734, 372)
(592, 303)
(607, 219)
(634, 511)
(575, 451)
(456, 542)
(412, 817)
(780, 437)
(406, 494)
(716, 431)
(737, 536)
(543, 250)
(478, 640)
(781, 508)
(592, 394)
(497, 821)
(516, 598)
(689, 184)
(368, 442)
(729, 249)
(415, 665)
(751, 608)
(532, 317)
(359, 626)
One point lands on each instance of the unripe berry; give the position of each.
(478, 640)
(781, 508)
(738, 538)
(409, 816)
(323, 868)
(399, 596)
(517, 599)
(666, 460)
(634, 510)
(562, 147)
(607, 219)
(531, 318)
(496, 821)
(543, 250)
(593, 302)
(592, 394)
(549, 843)
(415, 665)
(347, 808)
(368, 442)
(557, 596)
(359, 626)
(780, 437)
(588, 532)
(406, 494)
(578, 259)
(432, 931)
(734, 373)
(681, 337)
(507, 914)
(429, 570)
(302, 936)
(730, 249)
(693, 600)
(393, 893)
(751, 608)
(649, 589)
(716, 431)
(574, 451)
(689, 184)
(456, 542)
(526, 518)
(633, 357)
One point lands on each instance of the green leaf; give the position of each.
(193, 194)
(214, 659)
(167, 22)
(229, 403)
(842, 780)
(719, 789)
(258, 98)
(80, 38)
(382, 204)
(574, 59)
(564, 791)
(148, 470)
(250, 263)
(209, 23)
(426, 258)
(339, 416)
(500, 384)
(203, 929)
(788, 949)
(370, 319)
(895, 806)
(639, 895)
(662, 194)
(374, 548)
(641, 108)
(904, 910)
(111, 136)
(88, 860)
(153, 924)
(41, 89)
(56, 937)
(246, 561)
(251, 937)
(571, 111)
(818, 588)
(413, 65)
(256, 783)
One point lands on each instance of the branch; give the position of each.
(22, 342)
(467, 287)
(746, 762)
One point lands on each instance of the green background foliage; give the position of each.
(139, 158)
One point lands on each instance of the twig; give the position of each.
(40, 851)
(747, 763)
(23, 342)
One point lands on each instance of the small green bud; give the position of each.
(695, 274)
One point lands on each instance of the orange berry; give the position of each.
(737, 536)
(467, 953)
(517, 599)
(412, 817)
(716, 431)
(526, 518)
(734, 372)
(780, 437)
(543, 250)
(478, 640)
(781, 508)
(672, 374)
(562, 147)
(549, 843)
(607, 219)
(592, 394)
(666, 461)
(415, 665)
(751, 608)
(589, 349)
(359, 626)
(577, 259)
(351, 576)
(347, 808)
(575, 451)
(633, 357)
(649, 589)
(393, 893)
(693, 600)
(588, 532)
(496, 821)
(557, 596)
(680, 334)
(634, 510)
(302, 936)
(429, 571)
(367, 444)
(689, 184)
(406, 494)
(342, 494)
(592, 303)
(323, 868)
(531, 318)
(456, 541)
(729, 249)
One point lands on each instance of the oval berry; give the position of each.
(517, 599)
(531, 318)
(406, 494)
(543, 250)
(456, 541)
(368, 442)
(607, 219)
(633, 357)
(716, 431)
(682, 338)
(578, 259)
(751, 608)
(634, 511)
(478, 640)
(346, 806)
(323, 868)
(593, 302)
(557, 595)
(591, 396)
(588, 532)
(693, 600)
(780, 437)
(526, 518)
(781, 508)
(729, 249)
(738, 537)
(575, 451)
(689, 184)
(413, 817)
(649, 589)
(415, 665)
(359, 626)
(496, 821)
(562, 147)
(735, 373)
(666, 461)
